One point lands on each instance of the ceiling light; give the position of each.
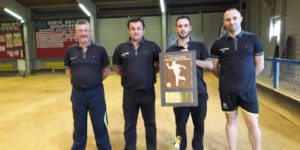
(13, 14)
(162, 6)
(83, 8)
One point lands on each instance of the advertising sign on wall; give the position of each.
(11, 40)
(53, 37)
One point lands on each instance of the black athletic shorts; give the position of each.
(230, 101)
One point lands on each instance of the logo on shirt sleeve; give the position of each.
(223, 50)
(72, 58)
(124, 54)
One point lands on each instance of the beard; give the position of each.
(185, 36)
(233, 28)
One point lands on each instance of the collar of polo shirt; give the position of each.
(89, 46)
(179, 46)
(140, 43)
(238, 36)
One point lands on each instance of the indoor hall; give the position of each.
(35, 105)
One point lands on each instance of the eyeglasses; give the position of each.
(83, 30)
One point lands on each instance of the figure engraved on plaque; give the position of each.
(176, 70)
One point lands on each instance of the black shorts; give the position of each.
(230, 101)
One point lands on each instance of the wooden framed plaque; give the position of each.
(178, 78)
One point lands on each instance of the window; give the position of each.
(275, 28)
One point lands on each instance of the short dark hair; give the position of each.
(233, 9)
(230, 9)
(136, 19)
(183, 17)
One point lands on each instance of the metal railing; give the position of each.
(283, 75)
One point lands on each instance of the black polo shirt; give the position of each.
(137, 65)
(86, 68)
(201, 54)
(237, 61)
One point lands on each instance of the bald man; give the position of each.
(238, 57)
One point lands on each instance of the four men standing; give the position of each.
(237, 59)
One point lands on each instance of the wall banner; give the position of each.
(11, 40)
(53, 37)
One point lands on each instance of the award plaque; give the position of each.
(178, 78)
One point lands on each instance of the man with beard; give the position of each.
(87, 64)
(238, 57)
(185, 43)
(137, 62)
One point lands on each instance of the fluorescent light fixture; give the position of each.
(84, 9)
(162, 6)
(13, 14)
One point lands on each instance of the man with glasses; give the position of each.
(87, 64)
